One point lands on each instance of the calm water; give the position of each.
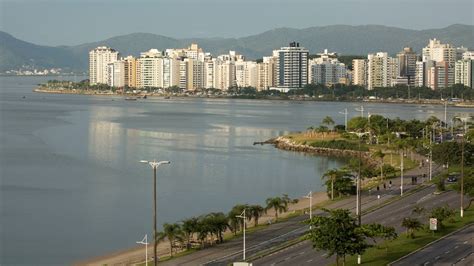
(71, 185)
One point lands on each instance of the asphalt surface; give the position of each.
(269, 238)
(456, 249)
(390, 215)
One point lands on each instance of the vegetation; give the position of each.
(338, 92)
(411, 225)
(278, 204)
(402, 246)
(338, 234)
(338, 183)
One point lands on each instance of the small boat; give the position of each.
(167, 97)
(130, 99)
(144, 97)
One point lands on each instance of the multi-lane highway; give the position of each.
(390, 215)
(455, 249)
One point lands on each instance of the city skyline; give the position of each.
(56, 24)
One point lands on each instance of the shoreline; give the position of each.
(287, 144)
(135, 255)
(269, 98)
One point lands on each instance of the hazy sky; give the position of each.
(69, 22)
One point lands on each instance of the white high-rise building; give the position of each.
(224, 75)
(170, 72)
(150, 66)
(359, 72)
(291, 66)
(99, 59)
(246, 73)
(441, 74)
(116, 74)
(381, 70)
(464, 72)
(266, 72)
(327, 70)
(209, 73)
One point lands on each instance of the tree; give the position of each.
(441, 214)
(216, 224)
(173, 233)
(331, 175)
(339, 181)
(411, 225)
(337, 233)
(235, 223)
(328, 121)
(375, 231)
(380, 155)
(256, 211)
(278, 204)
(189, 227)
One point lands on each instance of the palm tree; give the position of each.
(189, 227)
(217, 224)
(411, 224)
(328, 121)
(332, 175)
(236, 223)
(256, 211)
(379, 154)
(173, 233)
(278, 204)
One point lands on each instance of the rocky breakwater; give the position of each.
(285, 143)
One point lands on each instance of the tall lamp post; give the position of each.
(361, 110)
(145, 242)
(358, 197)
(345, 118)
(154, 164)
(244, 218)
(464, 120)
(310, 197)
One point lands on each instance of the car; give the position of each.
(452, 178)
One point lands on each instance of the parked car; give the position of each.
(453, 177)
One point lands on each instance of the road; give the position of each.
(270, 237)
(390, 215)
(266, 238)
(456, 249)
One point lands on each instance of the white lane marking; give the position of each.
(289, 258)
(324, 255)
(447, 252)
(309, 261)
(437, 257)
(465, 242)
(301, 253)
(426, 263)
(455, 247)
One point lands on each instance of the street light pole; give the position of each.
(155, 166)
(463, 119)
(401, 172)
(145, 242)
(244, 218)
(345, 118)
(310, 197)
(361, 110)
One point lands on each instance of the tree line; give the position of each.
(207, 230)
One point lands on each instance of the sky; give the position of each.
(72, 22)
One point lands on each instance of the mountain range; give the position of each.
(344, 39)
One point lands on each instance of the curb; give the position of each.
(437, 240)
